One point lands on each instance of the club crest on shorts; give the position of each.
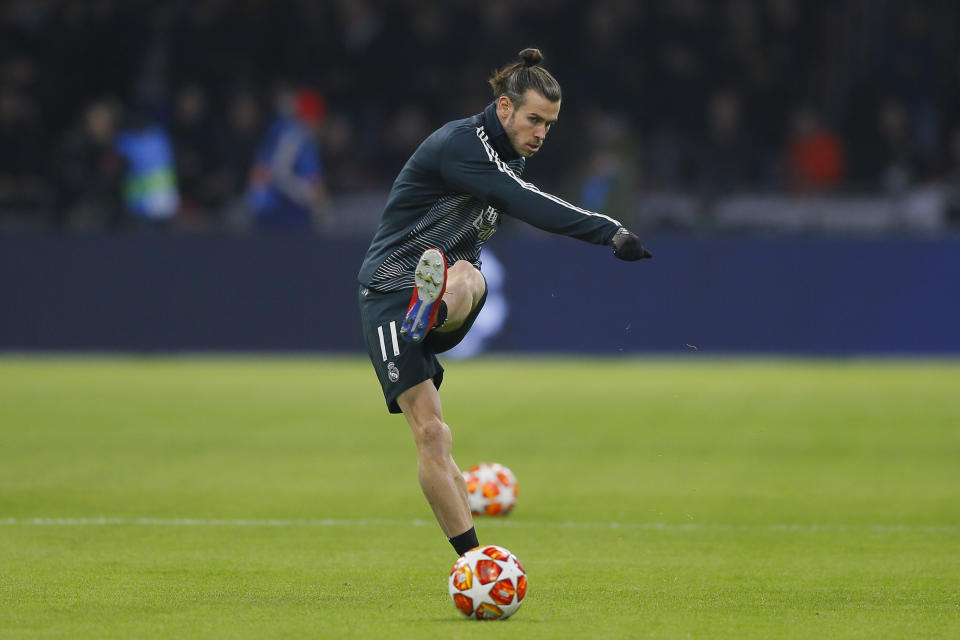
(392, 372)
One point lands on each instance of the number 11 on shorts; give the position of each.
(393, 340)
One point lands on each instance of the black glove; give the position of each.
(626, 246)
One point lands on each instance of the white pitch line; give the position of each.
(503, 523)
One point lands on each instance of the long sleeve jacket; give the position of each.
(450, 195)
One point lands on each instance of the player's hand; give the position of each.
(626, 246)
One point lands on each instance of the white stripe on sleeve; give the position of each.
(502, 166)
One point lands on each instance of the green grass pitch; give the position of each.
(275, 497)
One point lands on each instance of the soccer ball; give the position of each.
(492, 489)
(488, 583)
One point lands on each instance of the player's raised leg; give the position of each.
(465, 289)
(440, 479)
(442, 298)
(426, 305)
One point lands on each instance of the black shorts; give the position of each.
(401, 364)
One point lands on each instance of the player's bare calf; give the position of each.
(465, 289)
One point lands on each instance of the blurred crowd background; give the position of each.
(243, 115)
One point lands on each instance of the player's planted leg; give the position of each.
(440, 478)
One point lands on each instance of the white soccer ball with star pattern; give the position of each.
(488, 583)
(491, 489)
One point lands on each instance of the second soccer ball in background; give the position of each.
(492, 489)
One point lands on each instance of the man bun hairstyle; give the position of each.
(526, 73)
(531, 57)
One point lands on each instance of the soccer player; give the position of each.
(420, 283)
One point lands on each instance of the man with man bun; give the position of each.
(420, 283)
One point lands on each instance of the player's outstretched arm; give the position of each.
(626, 246)
(470, 164)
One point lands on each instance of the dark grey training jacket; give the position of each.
(450, 195)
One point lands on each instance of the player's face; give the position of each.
(528, 124)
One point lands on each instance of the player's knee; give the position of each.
(471, 277)
(434, 438)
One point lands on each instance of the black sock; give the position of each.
(441, 314)
(465, 541)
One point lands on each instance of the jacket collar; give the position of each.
(498, 137)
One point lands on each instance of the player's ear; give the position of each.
(504, 107)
